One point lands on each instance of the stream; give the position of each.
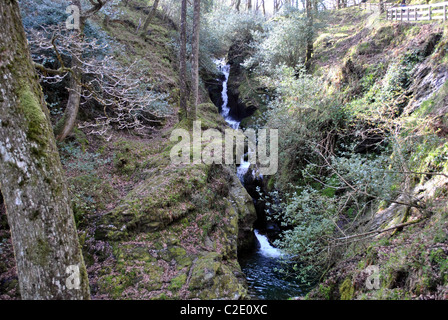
(262, 262)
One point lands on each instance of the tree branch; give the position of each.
(61, 70)
(375, 232)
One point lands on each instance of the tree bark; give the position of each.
(237, 5)
(195, 58)
(309, 34)
(65, 126)
(43, 230)
(183, 62)
(68, 120)
(150, 16)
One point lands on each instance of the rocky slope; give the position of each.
(176, 234)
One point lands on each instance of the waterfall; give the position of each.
(265, 247)
(261, 263)
(225, 69)
(242, 169)
(225, 112)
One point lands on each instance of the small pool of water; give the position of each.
(260, 267)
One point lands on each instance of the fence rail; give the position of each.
(435, 11)
(374, 6)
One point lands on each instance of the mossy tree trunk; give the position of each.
(195, 59)
(43, 231)
(68, 120)
(183, 62)
(150, 16)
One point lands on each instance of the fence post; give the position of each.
(407, 9)
(429, 8)
(416, 15)
(444, 12)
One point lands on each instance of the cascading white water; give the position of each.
(242, 169)
(225, 69)
(225, 112)
(265, 247)
(260, 267)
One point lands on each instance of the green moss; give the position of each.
(326, 291)
(81, 138)
(271, 183)
(37, 122)
(204, 271)
(347, 290)
(40, 252)
(178, 282)
(114, 285)
(440, 260)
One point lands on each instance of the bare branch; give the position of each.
(128, 100)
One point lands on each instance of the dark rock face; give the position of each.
(214, 87)
(238, 52)
(239, 109)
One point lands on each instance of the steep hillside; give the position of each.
(360, 56)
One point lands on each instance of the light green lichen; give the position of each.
(40, 252)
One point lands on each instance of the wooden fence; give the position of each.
(435, 11)
(375, 6)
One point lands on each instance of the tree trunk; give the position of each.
(68, 120)
(195, 58)
(183, 61)
(237, 5)
(276, 5)
(150, 16)
(46, 246)
(309, 34)
(65, 126)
